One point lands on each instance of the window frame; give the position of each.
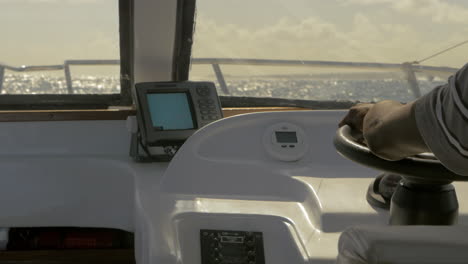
(185, 27)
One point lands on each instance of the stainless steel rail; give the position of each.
(68, 63)
(65, 67)
(409, 68)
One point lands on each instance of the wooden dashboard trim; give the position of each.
(246, 110)
(64, 115)
(111, 114)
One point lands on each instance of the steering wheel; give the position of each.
(424, 168)
(424, 196)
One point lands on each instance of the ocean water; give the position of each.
(278, 87)
(46, 84)
(310, 89)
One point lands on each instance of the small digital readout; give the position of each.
(286, 137)
(170, 111)
(232, 239)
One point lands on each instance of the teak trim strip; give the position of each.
(112, 114)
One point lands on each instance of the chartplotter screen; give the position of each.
(170, 111)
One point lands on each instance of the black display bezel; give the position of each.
(155, 137)
(211, 249)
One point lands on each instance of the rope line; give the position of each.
(443, 51)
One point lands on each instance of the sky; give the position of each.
(340, 30)
(38, 32)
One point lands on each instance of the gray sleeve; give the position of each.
(442, 120)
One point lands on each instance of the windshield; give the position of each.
(59, 47)
(356, 50)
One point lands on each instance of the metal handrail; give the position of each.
(316, 63)
(67, 64)
(65, 67)
(409, 68)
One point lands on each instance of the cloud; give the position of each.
(310, 38)
(438, 10)
(314, 38)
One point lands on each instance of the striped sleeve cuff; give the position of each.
(435, 130)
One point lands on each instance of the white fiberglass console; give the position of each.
(234, 177)
(223, 181)
(273, 174)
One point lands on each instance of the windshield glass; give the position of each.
(59, 47)
(358, 50)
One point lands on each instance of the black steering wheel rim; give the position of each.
(422, 168)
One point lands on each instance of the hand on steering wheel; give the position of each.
(388, 128)
(423, 168)
(424, 195)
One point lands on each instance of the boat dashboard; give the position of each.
(288, 196)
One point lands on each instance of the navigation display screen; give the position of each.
(170, 111)
(286, 137)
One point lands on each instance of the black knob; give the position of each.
(216, 251)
